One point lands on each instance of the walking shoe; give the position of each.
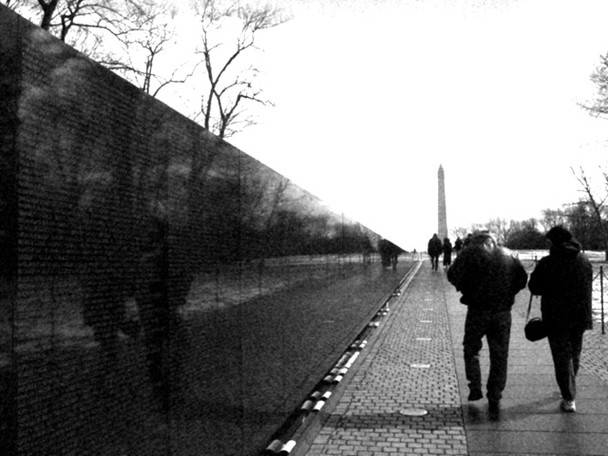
(475, 394)
(494, 409)
(568, 406)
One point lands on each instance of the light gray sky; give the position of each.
(372, 96)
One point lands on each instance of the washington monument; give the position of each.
(442, 227)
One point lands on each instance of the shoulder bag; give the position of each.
(535, 327)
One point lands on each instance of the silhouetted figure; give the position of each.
(389, 253)
(467, 240)
(447, 253)
(105, 270)
(383, 251)
(458, 244)
(564, 281)
(394, 252)
(367, 250)
(488, 277)
(163, 284)
(434, 249)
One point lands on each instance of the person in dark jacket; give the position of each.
(488, 277)
(434, 249)
(447, 252)
(564, 281)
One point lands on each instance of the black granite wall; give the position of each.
(154, 280)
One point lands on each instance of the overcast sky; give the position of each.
(372, 96)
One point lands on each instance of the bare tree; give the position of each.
(30, 9)
(126, 36)
(599, 106)
(147, 32)
(500, 228)
(229, 82)
(38, 11)
(596, 202)
(48, 11)
(59, 17)
(277, 196)
(460, 232)
(553, 217)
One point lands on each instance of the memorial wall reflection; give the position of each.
(155, 263)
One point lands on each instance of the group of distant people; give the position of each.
(489, 277)
(436, 247)
(389, 253)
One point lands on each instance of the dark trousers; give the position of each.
(496, 327)
(566, 347)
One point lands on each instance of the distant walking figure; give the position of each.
(447, 253)
(389, 253)
(434, 249)
(489, 277)
(564, 281)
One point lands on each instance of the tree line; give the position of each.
(580, 218)
(587, 218)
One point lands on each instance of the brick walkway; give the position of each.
(414, 364)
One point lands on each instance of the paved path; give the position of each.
(414, 363)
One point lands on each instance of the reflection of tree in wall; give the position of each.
(263, 194)
(76, 212)
(83, 161)
(356, 239)
(139, 23)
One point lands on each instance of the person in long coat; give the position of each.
(434, 249)
(564, 279)
(447, 252)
